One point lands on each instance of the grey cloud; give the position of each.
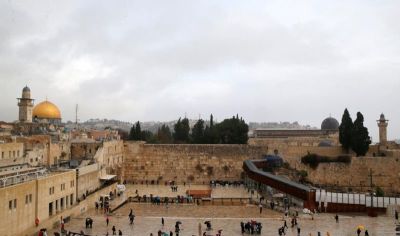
(157, 60)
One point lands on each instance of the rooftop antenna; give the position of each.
(76, 115)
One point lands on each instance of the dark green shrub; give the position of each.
(379, 192)
(313, 160)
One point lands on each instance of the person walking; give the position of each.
(162, 221)
(358, 232)
(131, 219)
(114, 230)
(107, 220)
(298, 231)
(260, 206)
(396, 215)
(366, 233)
(337, 218)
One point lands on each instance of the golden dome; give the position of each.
(46, 110)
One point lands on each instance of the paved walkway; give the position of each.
(228, 218)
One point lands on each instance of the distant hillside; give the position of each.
(101, 124)
(278, 125)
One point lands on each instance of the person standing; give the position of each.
(396, 215)
(337, 218)
(119, 232)
(107, 221)
(260, 206)
(298, 231)
(358, 232)
(162, 221)
(366, 233)
(114, 230)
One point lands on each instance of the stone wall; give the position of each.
(11, 150)
(89, 179)
(185, 163)
(385, 173)
(84, 150)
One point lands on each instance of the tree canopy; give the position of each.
(229, 131)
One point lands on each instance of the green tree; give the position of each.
(181, 131)
(210, 132)
(148, 136)
(345, 130)
(198, 132)
(360, 139)
(233, 131)
(164, 134)
(135, 133)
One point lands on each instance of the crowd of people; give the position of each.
(251, 227)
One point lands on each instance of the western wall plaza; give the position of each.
(199, 118)
(55, 179)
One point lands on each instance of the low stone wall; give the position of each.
(185, 163)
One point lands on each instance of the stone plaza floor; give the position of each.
(227, 218)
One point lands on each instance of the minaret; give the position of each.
(382, 124)
(25, 104)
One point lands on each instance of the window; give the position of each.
(10, 205)
(18, 153)
(2, 155)
(28, 199)
(15, 203)
(62, 186)
(13, 153)
(72, 184)
(51, 190)
(50, 208)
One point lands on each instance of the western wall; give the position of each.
(202, 163)
(185, 163)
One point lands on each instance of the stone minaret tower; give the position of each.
(25, 104)
(382, 124)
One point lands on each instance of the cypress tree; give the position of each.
(345, 130)
(138, 132)
(360, 139)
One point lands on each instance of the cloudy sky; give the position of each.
(157, 60)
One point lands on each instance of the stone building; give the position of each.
(280, 139)
(35, 198)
